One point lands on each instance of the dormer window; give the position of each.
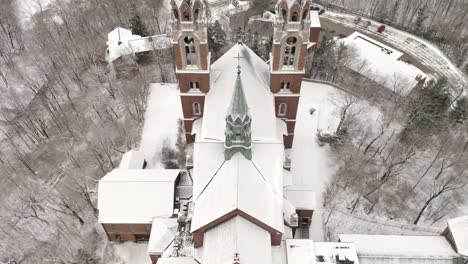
(295, 17)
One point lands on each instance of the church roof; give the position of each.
(255, 80)
(238, 184)
(237, 235)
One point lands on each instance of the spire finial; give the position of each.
(238, 64)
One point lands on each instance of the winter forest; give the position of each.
(66, 120)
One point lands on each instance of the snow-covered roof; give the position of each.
(163, 231)
(133, 159)
(255, 77)
(177, 260)
(301, 196)
(301, 251)
(459, 230)
(238, 184)
(394, 247)
(136, 196)
(237, 235)
(315, 19)
(121, 42)
(382, 64)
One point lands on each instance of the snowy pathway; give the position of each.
(426, 53)
(312, 164)
(163, 110)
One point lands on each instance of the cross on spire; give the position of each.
(238, 57)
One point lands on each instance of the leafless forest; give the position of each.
(64, 123)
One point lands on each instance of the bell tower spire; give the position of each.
(291, 31)
(190, 45)
(238, 123)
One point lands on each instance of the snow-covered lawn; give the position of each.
(311, 163)
(131, 253)
(162, 112)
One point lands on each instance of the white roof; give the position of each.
(121, 41)
(255, 78)
(136, 196)
(177, 260)
(300, 251)
(405, 247)
(301, 196)
(238, 184)
(237, 235)
(163, 232)
(459, 229)
(133, 159)
(332, 250)
(381, 63)
(315, 19)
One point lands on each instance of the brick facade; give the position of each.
(314, 34)
(127, 232)
(294, 79)
(184, 80)
(198, 235)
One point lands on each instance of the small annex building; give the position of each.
(382, 64)
(130, 198)
(396, 249)
(457, 233)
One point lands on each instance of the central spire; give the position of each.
(238, 122)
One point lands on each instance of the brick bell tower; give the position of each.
(291, 31)
(189, 41)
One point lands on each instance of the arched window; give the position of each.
(196, 109)
(196, 14)
(195, 85)
(285, 86)
(176, 14)
(283, 14)
(190, 51)
(282, 109)
(304, 16)
(295, 17)
(186, 16)
(289, 56)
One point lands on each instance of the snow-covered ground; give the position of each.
(312, 164)
(422, 50)
(163, 110)
(27, 8)
(131, 253)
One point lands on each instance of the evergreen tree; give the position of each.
(260, 6)
(420, 18)
(459, 113)
(216, 38)
(137, 26)
(254, 46)
(428, 108)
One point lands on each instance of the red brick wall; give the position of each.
(187, 105)
(291, 109)
(294, 79)
(178, 57)
(314, 35)
(302, 57)
(276, 52)
(288, 141)
(204, 56)
(185, 78)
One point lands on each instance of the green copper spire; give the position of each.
(238, 124)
